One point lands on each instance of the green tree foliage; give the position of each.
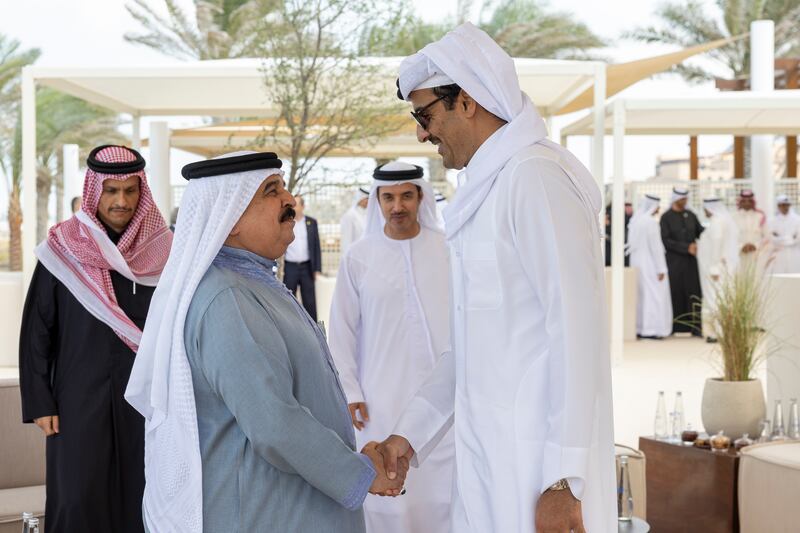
(218, 29)
(689, 23)
(524, 28)
(328, 98)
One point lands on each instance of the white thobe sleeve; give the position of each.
(343, 336)
(429, 415)
(559, 248)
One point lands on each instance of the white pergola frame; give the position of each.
(733, 113)
(227, 88)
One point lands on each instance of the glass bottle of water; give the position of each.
(660, 425)
(764, 433)
(33, 525)
(680, 418)
(624, 496)
(794, 420)
(25, 519)
(778, 429)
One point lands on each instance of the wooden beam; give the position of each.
(737, 84)
(738, 157)
(694, 160)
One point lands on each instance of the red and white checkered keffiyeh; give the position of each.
(80, 254)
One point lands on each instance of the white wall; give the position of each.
(11, 301)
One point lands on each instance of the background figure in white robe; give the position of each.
(527, 387)
(441, 203)
(717, 252)
(353, 221)
(750, 223)
(388, 328)
(646, 249)
(784, 235)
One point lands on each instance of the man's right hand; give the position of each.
(393, 449)
(693, 248)
(382, 485)
(355, 408)
(49, 424)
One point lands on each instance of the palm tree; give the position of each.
(689, 24)
(220, 29)
(12, 59)
(524, 28)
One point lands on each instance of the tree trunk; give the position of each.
(59, 178)
(44, 182)
(15, 230)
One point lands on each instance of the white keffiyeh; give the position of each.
(160, 386)
(471, 59)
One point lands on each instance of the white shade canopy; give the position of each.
(215, 139)
(235, 87)
(727, 113)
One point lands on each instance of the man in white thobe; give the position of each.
(750, 223)
(389, 326)
(784, 235)
(354, 220)
(717, 254)
(648, 255)
(527, 387)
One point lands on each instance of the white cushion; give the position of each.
(13, 502)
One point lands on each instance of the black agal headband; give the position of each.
(124, 167)
(411, 172)
(231, 165)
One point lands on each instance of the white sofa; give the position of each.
(769, 488)
(22, 462)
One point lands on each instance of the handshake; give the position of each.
(391, 461)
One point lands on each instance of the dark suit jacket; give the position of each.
(314, 248)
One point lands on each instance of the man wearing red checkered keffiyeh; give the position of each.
(81, 327)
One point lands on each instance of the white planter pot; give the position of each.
(735, 407)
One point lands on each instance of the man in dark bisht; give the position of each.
(81, 327)
(680, 230)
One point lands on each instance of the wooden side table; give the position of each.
(690, 489)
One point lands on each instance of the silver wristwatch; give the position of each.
(561, 484)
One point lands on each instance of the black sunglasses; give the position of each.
(424, 121)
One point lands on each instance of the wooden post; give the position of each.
(738, 157)
(694, 159)
(792, 75)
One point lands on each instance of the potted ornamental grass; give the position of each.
(734, 402)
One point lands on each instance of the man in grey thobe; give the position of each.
(253, 375)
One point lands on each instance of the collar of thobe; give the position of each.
(248, 264)
(160, 385)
